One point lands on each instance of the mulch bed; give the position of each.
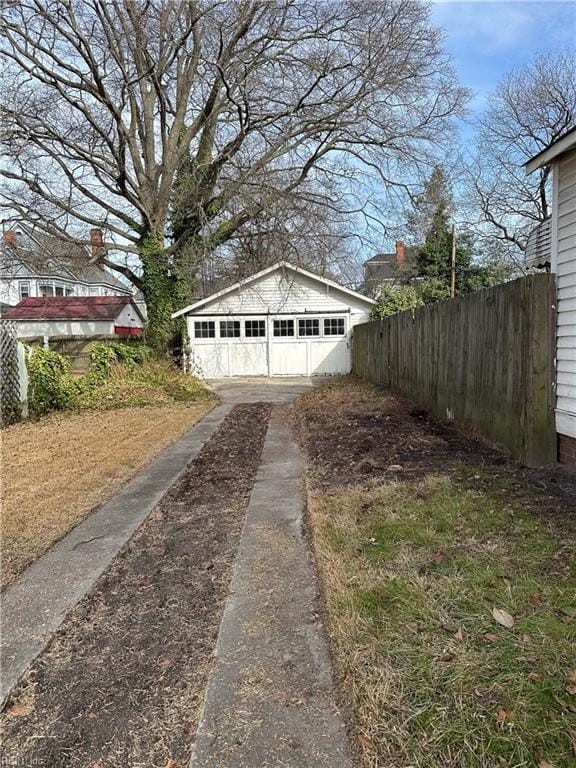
(122, 683)
(353, 431)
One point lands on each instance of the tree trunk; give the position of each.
(164, 292)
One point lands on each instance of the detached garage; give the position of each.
(282, 321)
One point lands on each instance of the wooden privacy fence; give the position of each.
(485, 359)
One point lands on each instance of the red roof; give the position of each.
(69, 308)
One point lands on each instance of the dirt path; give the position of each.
(123, 679)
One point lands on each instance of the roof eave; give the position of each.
(546, 156)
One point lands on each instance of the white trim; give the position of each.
(262, 273)
(559, 147)
(554, 219)
(566, 423)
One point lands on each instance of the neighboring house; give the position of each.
(33, 265)
(48, 317)
(384, 269)
(282, 321)
(561, 155)
(539, 246)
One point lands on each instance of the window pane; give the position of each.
(254, 328)
(46, 290)
(283, 327)
(204, 329)
(333, 326)
(308, 327)
(24, 290)
(59, 290)
(230, 329)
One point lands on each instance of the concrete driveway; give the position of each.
(260, 389)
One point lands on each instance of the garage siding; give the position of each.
(283, 292)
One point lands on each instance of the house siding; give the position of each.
(564, 265)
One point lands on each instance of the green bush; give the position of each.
(103, 355)
(395, 298)
(51, 386)
(121, 375)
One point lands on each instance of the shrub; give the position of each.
(396, 298)
(103, 355)
(51, 386)
(121, 375)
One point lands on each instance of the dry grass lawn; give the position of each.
(55, 471)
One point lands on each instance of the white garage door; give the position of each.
(270, 346)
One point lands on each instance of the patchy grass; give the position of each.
(56, 470)
(414, 561)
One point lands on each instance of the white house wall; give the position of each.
(128, 318)
(564, 265)
(27, 329)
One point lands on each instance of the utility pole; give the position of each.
(453, 269)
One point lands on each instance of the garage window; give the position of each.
(254, 328)
(333, 326)
(283, 327)
(230, 329)
(204, 329)
(308, 327)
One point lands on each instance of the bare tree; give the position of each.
(529, 109)
(172, 124)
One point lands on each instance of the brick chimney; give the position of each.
(400, 254)
(10, 236)
(96, 242)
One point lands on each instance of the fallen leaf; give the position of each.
(572, 676)
(490, 636)
(170, 764)
(526, 639)
(571, 688)
(19, 710)
(501, 716)
(91, 716)
(459, 635)
(545, 764)
(447, 657)
(535, 676)
(396, 468)
(503, 617)
(366, 743)
(535, 599)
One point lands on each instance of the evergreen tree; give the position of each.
(431, 266)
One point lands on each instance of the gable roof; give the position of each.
(275, 267)
(70, 308)
(562, 144)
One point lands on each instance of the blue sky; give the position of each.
(488, 39)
